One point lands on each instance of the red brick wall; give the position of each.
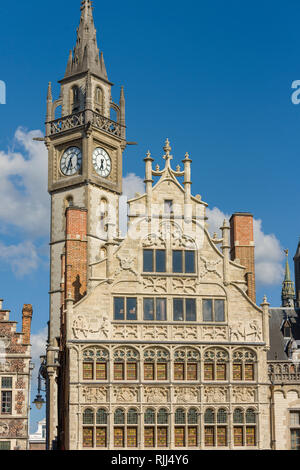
(242, 247)
(26, 325)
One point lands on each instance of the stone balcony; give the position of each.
(281, 372)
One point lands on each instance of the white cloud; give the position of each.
(22, 258)
(268, 252)
(38, 348)
(23, 185)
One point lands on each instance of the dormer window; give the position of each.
(287, 332)
(75, 99)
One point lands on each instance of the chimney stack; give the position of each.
(242, 247)
(26, 323)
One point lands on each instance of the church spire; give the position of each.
(86, 55)
(288, 290)
(297, 274)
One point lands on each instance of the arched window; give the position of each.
(75, 100)
(95, 362)
(215, 428)
(186, 364)
(125, 364)
(99, 100)
(244, 428)
(186, 428)
(244, 365)
(156, 364)
(156, 428)
(215, 364)
(125, 429)
(95, 434)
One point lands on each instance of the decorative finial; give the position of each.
(286, 253)
(187, 156)
(178, 168)
(167, 149)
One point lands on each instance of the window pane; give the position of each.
(118, 371)
(119, 437)
(238, 436)
(250, 416)
(6, 405)
(4, 445)
(162, 437)
(250, 436)
(179, 371)
(101, 417)
(88, 370)
(132, 417)
(192, 416)
(101, 371)
(131, 371)
(149, 437)
(190, 262)
(101, 437)
(178, 309)
(149, 309)
(221, 436)
(161, 371)
(237, 371)
(221, 372)
(295, 439)
(148, 261)
(149, 417)
(208, 371)
(119, 308)
(190, 309)
(191, 371)
(209, 437)
(179, 437)
(180, 416)
(177, 261)
(238, 416)
(131, 437)
(87, 437)
(131, 309)
(148, 371)
(160, 261)
(88, 417)
(219, 310)
(249, 371)
(119, 417)
(295, 415)
(162, 417)
(6, 382)
(222, 416)
(161, 309)
(209, 416)
(192, 436)
(207, 310)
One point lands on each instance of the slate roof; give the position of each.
(278, 344)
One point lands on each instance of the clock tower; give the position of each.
(85, 137)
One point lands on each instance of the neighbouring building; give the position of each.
(15, 376)
(37, 441)
(155, 339)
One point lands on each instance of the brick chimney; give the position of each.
(75, 279)
(242, 247)
(26, 323)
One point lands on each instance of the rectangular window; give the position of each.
(178, 314)
(118, 371)
(101, 439)
(88, 371)
(6, 403)
(219, 310)
(221, 436)
(191, 373)
(6, 382)
(237, 372)
(131, 437)
(190, 266)
(250, 436)
(295, 439)
(88, 437)
(4, 445)
(161, 371)
(119, 309)
(192, 437)
(101, 371)
(160, 259)
(208, 371)
(131, 308)
(295, 418)
(209, 436)
(148, 261)
(238, 436)
(221, 372)
(177, 261)
(148, 371)
(213, 310)
(207, 310)
(179, 371)
(180, 437)
(149, 437)
(149, 309)
(161, 309)
(190, 309)
(249, 372)
(162, 437)
(131, 371)
(119, 437)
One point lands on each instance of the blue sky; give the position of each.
(213, 77)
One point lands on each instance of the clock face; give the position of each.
(71, 161)
(102, 162)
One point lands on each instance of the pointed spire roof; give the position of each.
(86, 55)
(288, 289)
(297, 255)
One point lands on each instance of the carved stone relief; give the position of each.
(186, 394)
(156, 395)
(209, 267)
(127, 263)
(85, 326)
(155, 332)
(243, 394)
(181, 332)
(155, 284)
(215, 394)
(246, 331)
(185, 285)
(125, 332)
(125, 394)
(94, 394)
(214, 333)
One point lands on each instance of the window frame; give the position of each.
(6, 395)
(125, 308)
(94, 427)
(184, 301)
(155, 262)
(155, 308)
(184, 262)
(213, 300)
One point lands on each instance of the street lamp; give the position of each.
(39, 400)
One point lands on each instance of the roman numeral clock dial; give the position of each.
(71, 161)
(101, 162)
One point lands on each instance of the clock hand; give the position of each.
(101, 167)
